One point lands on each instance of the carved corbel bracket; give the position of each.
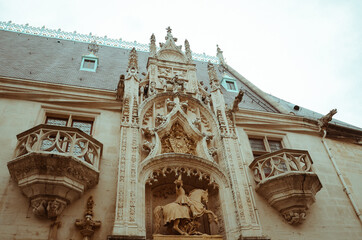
(286, 180)
(49, 207)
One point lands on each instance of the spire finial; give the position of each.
(169, 30)
(169, 34)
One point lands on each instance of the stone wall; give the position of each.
(16, 218)
(332, 215)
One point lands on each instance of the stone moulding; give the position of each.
(286, 180)
(53, 166)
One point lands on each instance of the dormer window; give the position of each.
(89, 63)
(229, 83)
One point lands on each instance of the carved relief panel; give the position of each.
(180, 124)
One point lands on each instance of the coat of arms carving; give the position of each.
(177, 141)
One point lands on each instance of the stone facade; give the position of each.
(269, 174)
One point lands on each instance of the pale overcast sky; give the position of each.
(306, 52)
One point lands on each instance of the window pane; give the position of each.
(89, 64)
(85, 126)
(230, 85)
(257, 144)
(275, 145)
(56, 121)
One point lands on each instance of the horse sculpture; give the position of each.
(184, 212)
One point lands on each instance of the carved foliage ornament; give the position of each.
(178, 141)
(152, 177)
(87, 225)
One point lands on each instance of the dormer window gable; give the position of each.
(89, 63)
(229, 83)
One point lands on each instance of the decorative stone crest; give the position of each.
(87, 225)
(93, 47)
(178, 141)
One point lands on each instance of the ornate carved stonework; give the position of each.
(185, 212)
(214, 81)
(152, 45)
(286, 179)
(132, 70)
(50, 207)
(178, 141)
(54, 166)
(87, 225)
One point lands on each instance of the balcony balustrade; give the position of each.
(54, 165)
(285, 178)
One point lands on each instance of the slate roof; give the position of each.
(55, 60)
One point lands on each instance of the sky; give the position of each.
(306, 52)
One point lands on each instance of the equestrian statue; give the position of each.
(185, 212)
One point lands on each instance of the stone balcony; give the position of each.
(285, 178)
(54, 165)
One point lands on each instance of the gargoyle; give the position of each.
(323, 121)
(237, 100)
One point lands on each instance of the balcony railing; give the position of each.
(279, 162)
(286, 180)
(55, 165)
(60, 140)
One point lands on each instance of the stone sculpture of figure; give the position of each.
(152, 89)
(178, 83)
(54, 208)
(181, 197)
(184, 212)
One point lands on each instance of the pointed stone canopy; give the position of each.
(188, 51)
(132, 69)
(170, 51)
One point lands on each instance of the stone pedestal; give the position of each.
(183, 237)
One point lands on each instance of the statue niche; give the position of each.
(177, 141)
(185, 212)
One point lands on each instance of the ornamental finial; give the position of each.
(169, 30)
(93, 47)
(153, 45)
